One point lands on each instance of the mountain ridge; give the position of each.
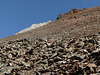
(69, 20)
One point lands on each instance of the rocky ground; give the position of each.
(61, 56)
(70, 45)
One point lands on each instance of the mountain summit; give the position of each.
(33, 26)
(70, 45)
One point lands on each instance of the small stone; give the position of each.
(10, 56)
(25, 64)
(44, 46)
(47, 73)
(92, 65)
(85, 50)
(29, 48)
(96, 51)
(55, 54)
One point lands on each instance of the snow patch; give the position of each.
(33, 26)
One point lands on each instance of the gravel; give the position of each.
(60, 56)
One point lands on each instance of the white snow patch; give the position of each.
(33, 26)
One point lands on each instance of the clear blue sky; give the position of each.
(16, 15)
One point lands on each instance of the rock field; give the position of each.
(61, 56)
(70, 45)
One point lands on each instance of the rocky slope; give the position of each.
(51, 56)
(75, 23)
(70, 45)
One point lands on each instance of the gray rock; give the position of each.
(10, 56)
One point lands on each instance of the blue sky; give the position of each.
(16, 15)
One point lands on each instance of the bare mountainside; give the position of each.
(75, 23)
(70, 45)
